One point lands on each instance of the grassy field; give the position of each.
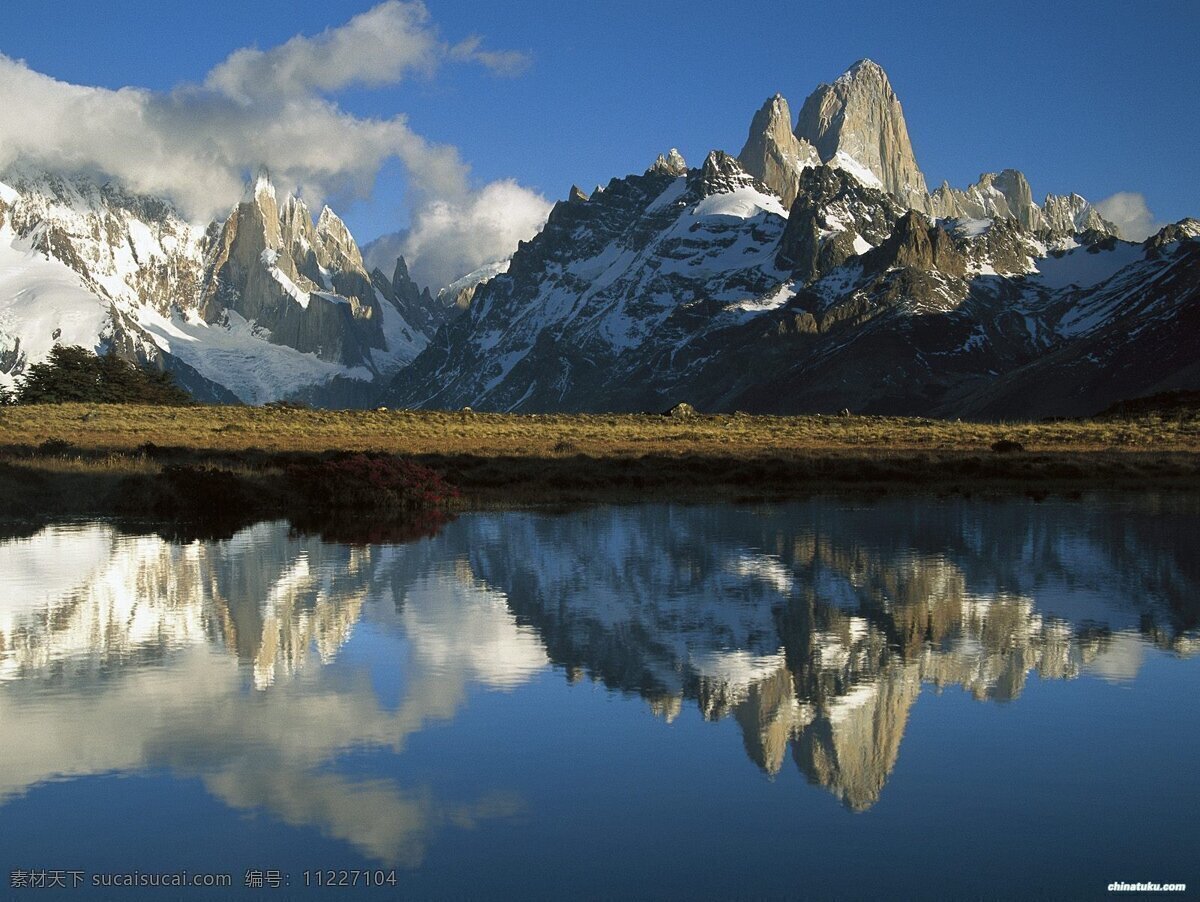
(125, 428)
(80, 457)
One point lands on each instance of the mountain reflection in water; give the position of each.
(813, 625)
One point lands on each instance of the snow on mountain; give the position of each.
(265, 306)
(814, 272)
(708, 286)
(458, 294)
(635, 269)
(1084, 267)
(42, 302)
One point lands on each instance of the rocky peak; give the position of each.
(576, 196)
(722, 173)
(832, 213)
(339, 245)
(858, 120)
(917, 245)
(1189, 227)
(1069, 214)
(1184, 230)
(1013, 185)
(296, 227)
(400, 274)
(997, 195)
(772, 154)
(672, 164)
(259, 212)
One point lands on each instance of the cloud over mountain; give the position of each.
(277, 107)
(1127, 210)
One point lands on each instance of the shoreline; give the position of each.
(66, 461)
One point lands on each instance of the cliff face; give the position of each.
(857, 122)
(306, 286)
(775, 156)
(263, 306)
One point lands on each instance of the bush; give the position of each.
(207, 491)
(76, 374)
(375, 483)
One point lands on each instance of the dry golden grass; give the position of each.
(233, 429)
(94, 459)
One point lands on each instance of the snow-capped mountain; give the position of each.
(266, 305)
(814, 272)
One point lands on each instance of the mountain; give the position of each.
(814, 273)
(263, 306)
(1007, 195)
(857, 123)
(772, 154)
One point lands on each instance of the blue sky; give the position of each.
(1090, 97)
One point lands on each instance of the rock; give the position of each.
(1068, 214)
(672, 164)
(831, 209)
(772, 154)
(916, 244)
(844, 412)
(577, 196)
(721, 173)
(1003, 195)
(858, 119)
(682, 411)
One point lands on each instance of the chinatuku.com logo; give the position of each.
(1121, 887)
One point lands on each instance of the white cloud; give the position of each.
(450, 239)
(1127, 210)
(378, 47)
(197, 143)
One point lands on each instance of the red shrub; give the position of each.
(364, 482)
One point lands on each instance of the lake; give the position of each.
(833, 698)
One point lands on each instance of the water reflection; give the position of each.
(816, 629)
(252, 663)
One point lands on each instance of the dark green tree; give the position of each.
(76, 374)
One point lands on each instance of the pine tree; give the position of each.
(76, 374)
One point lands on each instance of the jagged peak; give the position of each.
(262, 186)
(916, 244)
(858, 120)
(576, 196)
(864, 68)
(772, 153)
(671, 164)
(294, 205)
(1185, 229)
(774, 117)
(330, 224)
(721, 173)
(776, 106)
(1075, 200)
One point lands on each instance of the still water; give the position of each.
(830, 698)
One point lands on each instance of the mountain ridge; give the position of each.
(264, 305)
(812, 272)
